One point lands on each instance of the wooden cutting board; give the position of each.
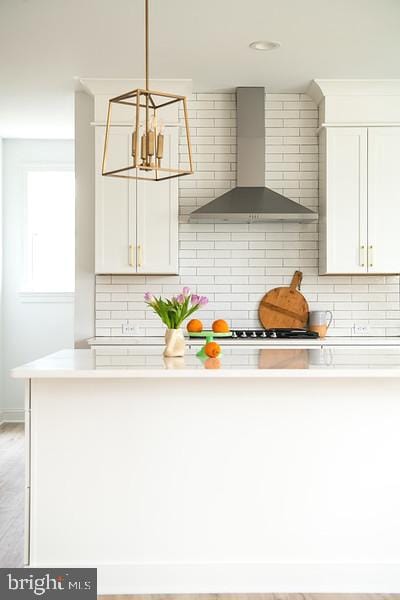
(284, 306)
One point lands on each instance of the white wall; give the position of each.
(235, 264)
(84, 219)
(1, 283)
(30, 329)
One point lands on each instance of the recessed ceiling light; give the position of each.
(264, 45)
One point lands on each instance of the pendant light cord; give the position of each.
(146, 50)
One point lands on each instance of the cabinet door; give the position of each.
(115, 202)
(157, 217)
(383, 199)
(346, 200)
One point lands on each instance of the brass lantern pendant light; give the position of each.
(148, 154)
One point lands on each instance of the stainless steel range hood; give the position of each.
(251, 201)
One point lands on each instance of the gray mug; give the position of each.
(319, 321)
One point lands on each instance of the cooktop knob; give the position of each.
(263, 334)
(273, 334)
(253, 334)
(243, 334)
(234, 334)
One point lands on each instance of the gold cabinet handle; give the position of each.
(131, 256)
(370, 256)
(362, 256)
(139, 255)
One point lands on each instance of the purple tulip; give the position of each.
(186, 291)
(181, 298)
(148, 297)
(195, 299)
(203, 300)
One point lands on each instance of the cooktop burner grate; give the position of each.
(241, 334)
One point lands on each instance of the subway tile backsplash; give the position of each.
(235, 264)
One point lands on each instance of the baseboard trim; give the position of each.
(227, 578)
(12, 415)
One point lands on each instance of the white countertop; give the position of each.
(328, 341)
(245, 362)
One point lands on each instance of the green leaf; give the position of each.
(171, 312)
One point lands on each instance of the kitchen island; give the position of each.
(270, 470)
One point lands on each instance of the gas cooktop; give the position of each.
(299, 334)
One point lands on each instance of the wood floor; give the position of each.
(12, 483)
(12, 469)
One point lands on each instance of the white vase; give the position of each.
(174, 343)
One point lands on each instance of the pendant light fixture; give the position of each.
(148, 153)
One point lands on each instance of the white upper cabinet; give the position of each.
(157, 218)
(136, 221)
(383, 199)
(359, 200)
(115, 203)
(343, 210)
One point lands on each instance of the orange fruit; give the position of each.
(212, 349)
(212, 363)
(220, 326)
(195, 326)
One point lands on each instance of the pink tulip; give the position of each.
(195, 299)
(181, 298)
(186, 291)
(203, 300)
(148, 297)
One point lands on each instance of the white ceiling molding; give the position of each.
(356, 101)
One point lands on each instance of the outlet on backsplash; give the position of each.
(361, 329)
(131, 329)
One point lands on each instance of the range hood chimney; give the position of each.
(250, 201)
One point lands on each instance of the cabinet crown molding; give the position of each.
(350, 101)
(321, 88)
(110, 87)
(104, 89)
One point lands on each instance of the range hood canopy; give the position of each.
(251, 201)
(252, 205)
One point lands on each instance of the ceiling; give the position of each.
(45, 44)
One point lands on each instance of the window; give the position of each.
(50, 231)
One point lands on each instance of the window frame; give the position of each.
(26, 293)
